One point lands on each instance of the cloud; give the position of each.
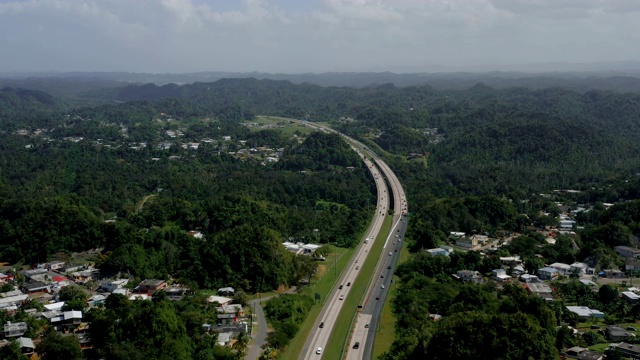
(324, 35)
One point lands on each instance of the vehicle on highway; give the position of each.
(390, 253)
(356, 345)
(366, 241)
(366, 326)
(319, 351)
(381, 286)
(348, 284)
(377, 297)
(357, 267)
(389, 267)
(341, 297)
(340, 287)
(382, 276)
(321, 325)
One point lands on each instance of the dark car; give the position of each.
(321, 325)
(366, 326)
(340, 287)
(377, 297)
(389, 267)
(348, 284)
(382, 276)
(356, 345)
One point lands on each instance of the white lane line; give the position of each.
(391, 233)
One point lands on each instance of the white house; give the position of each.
(547, 273)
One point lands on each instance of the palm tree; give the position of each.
(242, 340)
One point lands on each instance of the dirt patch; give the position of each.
(321, 270)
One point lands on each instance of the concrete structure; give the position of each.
(469, 276)
(631, 297)
(26, 345)
(14, 329)
(528, 278)
(149, 286)
(219, 299)
(628, 350)
(616, 333)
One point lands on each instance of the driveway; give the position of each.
(255, 347)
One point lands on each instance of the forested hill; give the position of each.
(19, 104)
(474, 137)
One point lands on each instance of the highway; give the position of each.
(386, 183)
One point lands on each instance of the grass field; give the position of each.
(340, 334)
(279, 124)
(322, 286)
(387, 323)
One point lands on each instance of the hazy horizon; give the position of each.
(317, 36)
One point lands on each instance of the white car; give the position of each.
(341, 297)
(319, 351)
(381, 286)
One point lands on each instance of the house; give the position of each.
(616, 333)
(149, 286)
(584, 312)
(226, 138)
(176, 292)
(219, 299)
(469, 276)
(631, 297)
(13, 300)
(528, 278)
(35, 287)
(626, 251)
(235, 309)
(518, 270)
(632, 264)
(628, 350)
(578, 352)
(14, 329)
(563, 269)
(111, 286)
(96, 300)
(590, 284)
(566, 224)
(226, 291)
(467, 242)
(56, 265)
(500, 275)
(541, 289)
(67, 319)
(510, 260)
(547, 273)
(611, 273)
(580, 269)
(26, 345)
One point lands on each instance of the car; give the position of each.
(356, 345)
(382, 276)
(396, 250)
(348, 284)
(389, 267)
(366, 326)
(357, 267)
(631, 328)
(356, 261)
(390, 253)
(377, 297)
(340, 287)
(341, 297)
(321, 325)
(319, 351)
(381, 286)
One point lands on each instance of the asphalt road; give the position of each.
(367, 320)
(319, 337)
(381, 278)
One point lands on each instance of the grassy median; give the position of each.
(323, 287)
(387, 322)
(341, 334)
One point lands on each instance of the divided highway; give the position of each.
(387, 184)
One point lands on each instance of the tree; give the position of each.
(11, 351)
(57, 347)
(72, 292)
(242, 340)
(608, 293)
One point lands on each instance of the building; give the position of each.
(626, 251)
(111, 286)
(469, 276)
(219, 299)
(616, 333)
(149, 286)
(580, 269)
(628, 350)
(55, 265)
(500, 275)
(578, 352)
(528, 278)
(226, 291)
(67, 318)
(541, 289)
(584, 312)
(26, 345)
(632, 264)
(510, 260)
(631, 297)
(35, 287)
(563, 269)
(14, 329)
(235, 309)
(547, 273)
(467, 242)
(566, 224)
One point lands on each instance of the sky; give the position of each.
(295, 36)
